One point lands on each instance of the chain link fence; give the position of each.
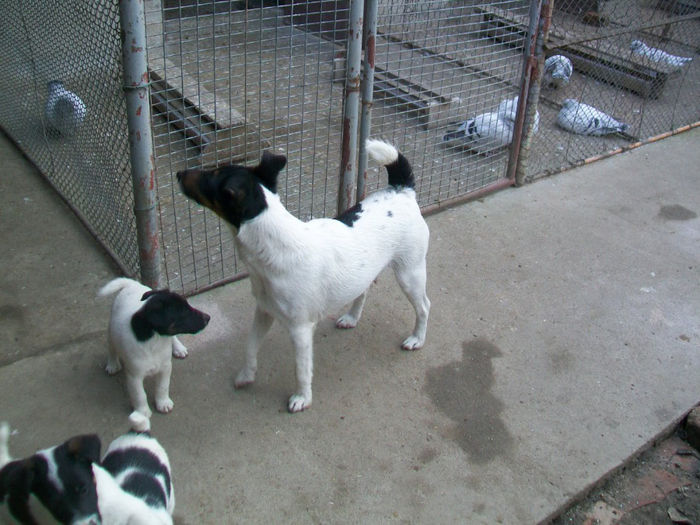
(633, 60)
(75, 130)
(229, 79)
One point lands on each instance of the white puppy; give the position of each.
(134, 483)
(142, 330)
(301, 271)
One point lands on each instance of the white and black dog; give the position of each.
(53, 485)
(301, 271)
(142, 336)
(134, 483)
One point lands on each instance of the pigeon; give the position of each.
(587, 120)
(508, 109)
(64, 110)
(557, 71)
(657, 55)
(483, 133)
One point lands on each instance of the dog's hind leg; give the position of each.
(302, 338)
(350, 319)
(262, 322)
(412, 281)
(113, 365)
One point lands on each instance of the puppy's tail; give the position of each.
(114, 286)
(139, 422)
(397, 166)
(4, 449)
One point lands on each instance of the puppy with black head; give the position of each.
(53, 485)
(301, 271)
(134, 481)
(142, 338)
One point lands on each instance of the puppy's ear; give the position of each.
(269, 168)
(20, 476)
(86, 447)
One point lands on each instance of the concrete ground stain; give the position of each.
(462, 391)
(676, 212)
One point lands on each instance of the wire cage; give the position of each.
(229, 79)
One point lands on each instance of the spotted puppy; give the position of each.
(134, 484)
(53, 485)
(301, 271)
(142, 337)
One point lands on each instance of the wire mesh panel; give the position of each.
(231, 79)
(60, 76)
(633, 77)
(444, 76)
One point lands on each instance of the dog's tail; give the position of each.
(139, 422)
(397, 166)
(4, 449)
(114, 286)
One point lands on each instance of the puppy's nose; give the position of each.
(206, 318)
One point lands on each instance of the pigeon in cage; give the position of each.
(64, 110)
(557, 71)
(508, 109)
(483, 133)
(658, 55)
(587, 120)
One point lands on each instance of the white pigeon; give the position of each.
(64, 110)
(657, 55)
(557, 71)
(483, 133)
(508, 109)
(587, 120)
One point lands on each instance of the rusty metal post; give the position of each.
(138, 105)
(369, 37)
(529, 64)
(350, 110)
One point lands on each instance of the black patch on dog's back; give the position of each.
(142, 482)
(350, 216)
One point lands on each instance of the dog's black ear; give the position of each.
(85, 447)
(269, 168)
(19, 476)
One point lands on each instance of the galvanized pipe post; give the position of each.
(369, 37)
(138, 105)
(351, 106)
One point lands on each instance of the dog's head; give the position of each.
(166, 313)
(57, 481)
(234, 192)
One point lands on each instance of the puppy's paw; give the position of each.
(298, 403)
(113, 366)
(139, 422)
(346, 321)
(412, 343)
(244, 378)
(164, 406)
(179, 350)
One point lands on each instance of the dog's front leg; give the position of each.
(137, 395)
(163, 402)
(350, 319)
(262, 322)
(302, 338)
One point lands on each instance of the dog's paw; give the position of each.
(412, 343)
(346, 321)
(298, 403)
(164, 406)
(179, 351)
(244, 378)
(112, 367)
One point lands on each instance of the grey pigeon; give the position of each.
(657, 55)
(587, 120)
(64, 110)
(557, 71)
(508, 109)
(483, 133)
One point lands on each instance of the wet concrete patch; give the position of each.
(676, 212)
(462, 391)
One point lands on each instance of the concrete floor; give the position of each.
(564, 336)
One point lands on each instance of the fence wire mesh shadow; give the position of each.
(230, 81)
(74, 132)
(621, 66)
